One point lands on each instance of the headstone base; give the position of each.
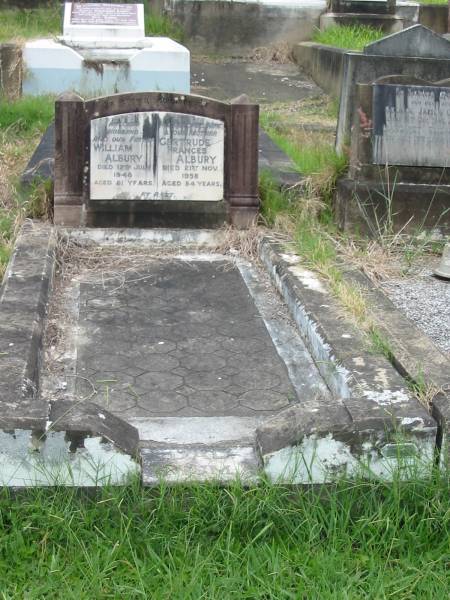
(367, 207)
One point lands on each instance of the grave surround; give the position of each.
(155, 160)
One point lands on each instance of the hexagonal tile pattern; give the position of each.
(178, 338)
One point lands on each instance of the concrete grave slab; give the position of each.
(413, 41)
(190, 359)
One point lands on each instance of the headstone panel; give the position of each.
(411, 125)
(103, 14)
(156, 155)
(102, 22)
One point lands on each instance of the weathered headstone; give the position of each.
(411, 125)
(104, 50)
(416, 51)
(400, 157)
(155, 160)
(416, 40)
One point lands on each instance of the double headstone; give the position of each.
(146, 160)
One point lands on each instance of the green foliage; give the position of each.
(353, 540)
(157, 24)
(30, 23)
(273, 200)
(27, 115)
(310, 158)
(351, 37)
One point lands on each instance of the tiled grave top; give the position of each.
(178, 338)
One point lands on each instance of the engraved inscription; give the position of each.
(156, 156)
(411, 125)
(103, 14)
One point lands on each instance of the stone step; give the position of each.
(188, 464)
(195, 449)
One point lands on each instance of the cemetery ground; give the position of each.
(354, 539)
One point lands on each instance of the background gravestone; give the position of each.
(416, 52)
(155, 160)
(400, 154)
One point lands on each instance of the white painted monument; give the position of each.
(103, 50)
(157, 156)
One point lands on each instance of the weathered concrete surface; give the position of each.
(378, 425)
(262, 82)
(216, 376)
(414, 354)
(11, 71)
(236, 28)
(69, 444)
(187, 340)
(23, 303)
(193, 350)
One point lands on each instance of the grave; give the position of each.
(399, 161)
(372, 13)
(103, 49)
(155, 160)
(416, 51)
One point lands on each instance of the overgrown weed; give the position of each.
(350, 37)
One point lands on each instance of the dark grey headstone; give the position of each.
(414, 41)
(411, 125)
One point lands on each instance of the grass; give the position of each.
(23, 24)
(21, 125)
(162, 25)
(350, 37)
(353, 540)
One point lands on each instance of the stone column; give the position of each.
(243, 191)
(11, 68)
(69, 160)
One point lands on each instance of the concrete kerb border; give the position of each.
(30, 428)
(413, 353)
(374, 420)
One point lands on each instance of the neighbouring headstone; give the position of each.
(416, 40)
(104, 50)
(411, 125)
(155, 160)
(416, 52)
(400, 157)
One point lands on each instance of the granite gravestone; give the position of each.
(411, 125)
(399, 158)
(155, 160)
